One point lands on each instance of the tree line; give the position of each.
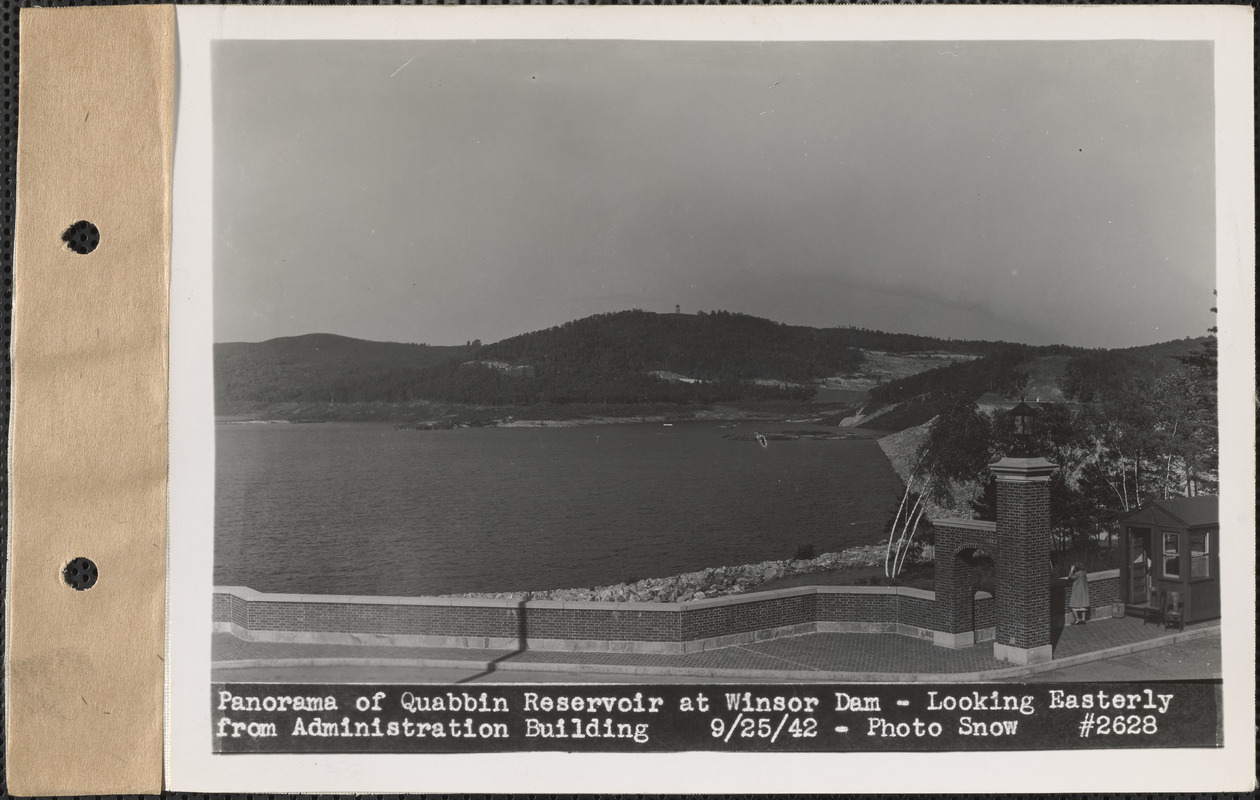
(998, 371)
(1129, 435)
(607, 358)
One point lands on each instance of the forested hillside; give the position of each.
(612, 358)
(718, 346)
(322, 367)
(1139, 424)
(1097, 372)
(624, 357)
(632, 358)
(1083, 375)
(918, 398)
(999, 372)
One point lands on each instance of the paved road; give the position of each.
(1196, 659)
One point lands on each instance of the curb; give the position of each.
(484, 665)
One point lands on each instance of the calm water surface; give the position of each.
(363, 508)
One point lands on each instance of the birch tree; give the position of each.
(957, 448)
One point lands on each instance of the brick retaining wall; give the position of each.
(629, 627)
(763, 612)
(1105, 597)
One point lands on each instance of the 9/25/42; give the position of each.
(764, 727)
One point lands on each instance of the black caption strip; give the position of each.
(305, 718)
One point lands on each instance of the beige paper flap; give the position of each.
(89, 448)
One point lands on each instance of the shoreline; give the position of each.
(711, 582)
(734, 417)
(704, 415)
(423, 415)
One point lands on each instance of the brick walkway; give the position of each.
(829, 652)
(1188, 660)
(1105, 634)
(865, 653)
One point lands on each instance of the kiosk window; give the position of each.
(1172, 555)
(1199, 554)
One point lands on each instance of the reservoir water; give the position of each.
(364, 508)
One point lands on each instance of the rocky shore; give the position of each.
(712, 582)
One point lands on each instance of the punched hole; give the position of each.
(80, 574)
(82, 237)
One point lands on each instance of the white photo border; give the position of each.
(190, 763)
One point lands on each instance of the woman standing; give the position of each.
(1079, 601)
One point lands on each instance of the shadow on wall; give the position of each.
(980, 575)
(1058, 610)
(521, 646)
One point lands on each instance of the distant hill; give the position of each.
(624, 357)
(1052, 373)
(1094, 371)
(1000, 371)
(638, 357)
(323, 367)
(713, 347)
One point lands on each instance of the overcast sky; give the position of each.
(445, 191)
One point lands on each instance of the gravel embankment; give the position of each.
(712, 582)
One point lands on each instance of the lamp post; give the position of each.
(1023, 414)
(1023, 548)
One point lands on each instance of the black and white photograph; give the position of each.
(726, 393)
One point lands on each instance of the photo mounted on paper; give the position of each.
(657, 394)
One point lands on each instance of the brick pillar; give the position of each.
(1023, 558)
